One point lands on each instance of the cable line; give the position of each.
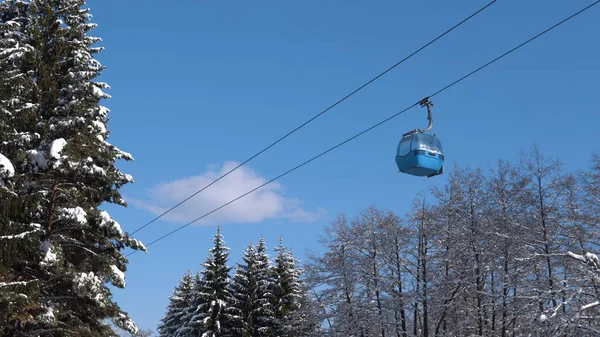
(376, 125)
(318, 115)
(515, 48)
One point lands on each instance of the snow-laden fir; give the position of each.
(264, 297)
(180, 301)
(212, 315)
(58, 249)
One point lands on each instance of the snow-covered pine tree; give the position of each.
(243, 291)
(290, 300)
(64, 171)
(265, 279)
(179, 301)
(212, 317)
(186, 329)
(251, 288)
(18, 234)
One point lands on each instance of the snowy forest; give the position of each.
(261, 298)
(507, 252)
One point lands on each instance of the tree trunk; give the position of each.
(400, 293)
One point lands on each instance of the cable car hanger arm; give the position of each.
(424, 102)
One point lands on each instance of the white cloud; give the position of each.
(266, 203)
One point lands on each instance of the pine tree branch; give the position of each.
(45, 331)
(78, 245)
(52, 204)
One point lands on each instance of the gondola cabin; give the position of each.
(420, 154)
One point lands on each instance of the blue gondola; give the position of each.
(418, 153)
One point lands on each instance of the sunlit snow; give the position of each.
(49, 254)
(126, 323)
(11, 284)
(22, 235)
(107, 221)
(7, 170)
(47, 316)
(56, 147)
(76, 213)
(118, 276)
(99, 93)
(100, 126)
(37, 159)
(86, 284)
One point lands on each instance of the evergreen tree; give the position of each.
(291, 314)
(18, 234)
(263, 310)
(251, 288)
(243, 291)
(186, 328)
(64, 170)
(180, 300)
(211, 317)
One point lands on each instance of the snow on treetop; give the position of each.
(7, 170)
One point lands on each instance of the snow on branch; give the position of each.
(19, 236)
(124, 322)
(107, 221)
(591, 305)
(76, 214)
(49, 253)
(118, 276)
(7, 170)
(588, 258)
(17, 283)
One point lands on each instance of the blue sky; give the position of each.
(201, 85)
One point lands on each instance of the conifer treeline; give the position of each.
(508, 253)
(261, 298)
